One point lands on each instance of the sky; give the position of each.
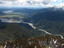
(31, 3)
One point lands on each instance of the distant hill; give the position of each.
(49, 19)
(26, 10)
(49, 14)
(1, 13)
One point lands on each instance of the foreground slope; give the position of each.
(13, 31)
(47, 41)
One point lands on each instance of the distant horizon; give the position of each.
(26, 7)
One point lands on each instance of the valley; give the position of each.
(43, 29)
(31, 23)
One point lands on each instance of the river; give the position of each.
(8, 11)
(30, 24)
(42, 30)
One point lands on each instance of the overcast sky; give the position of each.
(31, 3)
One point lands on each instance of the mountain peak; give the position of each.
(59, 6)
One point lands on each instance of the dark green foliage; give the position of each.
(25, 10)
(49, 15)
(52, 27)
(15, 31)
(50, 20)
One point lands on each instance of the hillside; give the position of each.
(25, 10)
(13, 31)
(50, 20)
(48, 14)
(1, 13)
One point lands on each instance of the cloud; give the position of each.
(28, 3)
(61, 5)
(42, 1)
(59, 0)
(8, 0)
(1, 2)
(49, 1)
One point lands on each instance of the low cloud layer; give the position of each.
(28, 3)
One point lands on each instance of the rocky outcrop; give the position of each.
(47, 41)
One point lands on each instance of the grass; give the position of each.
(14, 14)
(9, 16)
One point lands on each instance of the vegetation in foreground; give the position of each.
(48, 41)
(13, 31)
